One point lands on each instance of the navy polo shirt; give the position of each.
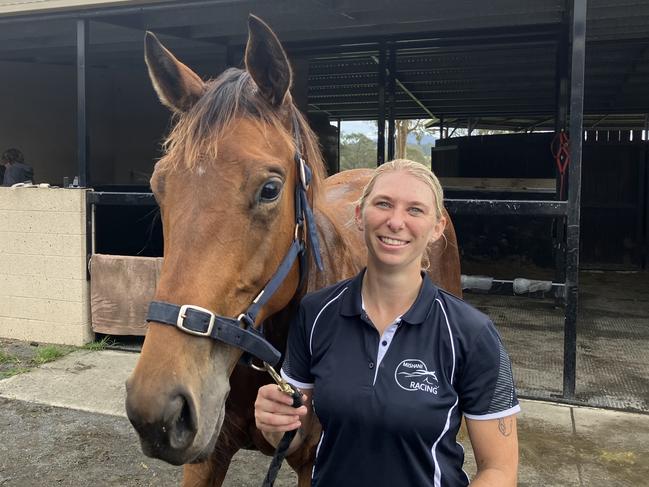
(391, 406)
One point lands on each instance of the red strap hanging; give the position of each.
(560, 148)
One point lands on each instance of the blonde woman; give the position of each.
(390, 363)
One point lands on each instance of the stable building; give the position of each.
(77, 101)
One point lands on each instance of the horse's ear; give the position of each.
(266, 62)
(178, 87)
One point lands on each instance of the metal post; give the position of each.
(561, 78)
(562, 100)
(82, 129)
(641, 202)
(645, 193)
(90, 232)
(82, 132)
(380, 143)
(441, 126)
(339, 125)
(392, 67)
(578, 53)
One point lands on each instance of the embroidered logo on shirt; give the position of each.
(413, 375)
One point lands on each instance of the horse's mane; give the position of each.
(195, 135)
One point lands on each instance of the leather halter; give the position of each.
(240, 332)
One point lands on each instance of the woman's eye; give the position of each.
(416, 210)
(383, 204)
(270, 190)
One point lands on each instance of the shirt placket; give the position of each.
(384, 344)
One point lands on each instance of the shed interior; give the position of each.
(467, 64)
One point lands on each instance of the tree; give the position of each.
(357, 150)
(416, 153)
(403, 129)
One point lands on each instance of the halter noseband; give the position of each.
(240, 332)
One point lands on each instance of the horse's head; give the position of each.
(226, 192)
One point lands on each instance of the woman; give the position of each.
(390, 363)
(16, 171)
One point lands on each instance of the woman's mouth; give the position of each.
(393, 242)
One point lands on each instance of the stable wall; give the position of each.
(44, 294)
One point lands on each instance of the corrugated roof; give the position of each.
(496, 61)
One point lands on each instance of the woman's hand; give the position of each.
(274, 411)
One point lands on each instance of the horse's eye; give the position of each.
(270, 190)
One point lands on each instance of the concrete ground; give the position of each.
(560, 445)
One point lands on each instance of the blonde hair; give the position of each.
(414, 169)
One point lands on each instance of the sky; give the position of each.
(368, 128)
(364, 127)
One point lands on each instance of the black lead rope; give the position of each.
(282, 447)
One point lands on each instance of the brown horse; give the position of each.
(226, 192)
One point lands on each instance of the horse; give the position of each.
(225, 188)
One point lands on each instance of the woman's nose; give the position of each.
(395, 222)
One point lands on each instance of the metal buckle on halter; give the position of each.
(245, 319)
(299, 232)
(182, 314)
(305, 184)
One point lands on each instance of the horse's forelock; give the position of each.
(195, 135)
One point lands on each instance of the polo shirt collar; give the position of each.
(352, 304)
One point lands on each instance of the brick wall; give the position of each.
(44, 295)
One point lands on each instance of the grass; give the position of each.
(12, 365)
(6, 358)
(98, 345)
(49, 353)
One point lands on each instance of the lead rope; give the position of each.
(285, 442)
(305, 216)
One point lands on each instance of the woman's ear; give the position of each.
(438, 229)
(358, 217)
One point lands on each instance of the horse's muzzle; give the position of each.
(169, 432)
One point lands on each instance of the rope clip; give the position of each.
(284, 386)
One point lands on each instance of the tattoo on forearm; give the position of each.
(505, 426)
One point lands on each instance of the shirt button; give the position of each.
(384, 343)
(371, 365)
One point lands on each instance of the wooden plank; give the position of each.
(536, 185)
(121, 288)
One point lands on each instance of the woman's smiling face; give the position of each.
(399, 219)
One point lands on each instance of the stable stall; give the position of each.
(77, 98)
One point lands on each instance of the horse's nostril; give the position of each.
(182, 424)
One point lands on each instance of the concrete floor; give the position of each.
(560, 445)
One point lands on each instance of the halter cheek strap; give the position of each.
(240, 332)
